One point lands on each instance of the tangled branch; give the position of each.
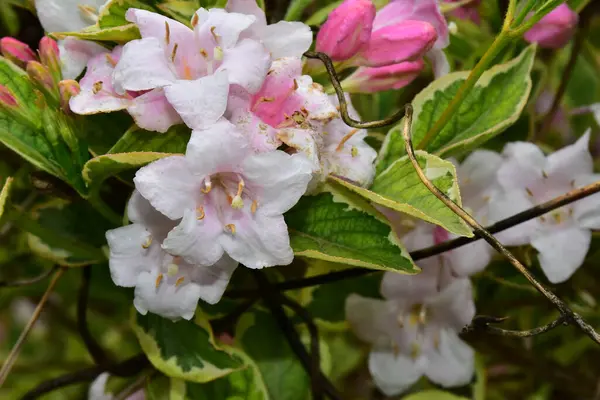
(567, 314)
(482, 323)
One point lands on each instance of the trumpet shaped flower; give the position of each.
(229, 198)
(414, 329)
(528, 177)
(164, 284)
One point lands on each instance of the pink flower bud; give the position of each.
(393, 44)
(347, 29)
(67, 89)
(7, 98)
(468, 11)
(16, 51)
(555, 29)
(41, 76)
(371, 80)
(50, 56)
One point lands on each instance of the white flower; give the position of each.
(164, 284)
(97, 390)
(230, 199)
(528, 177)
(71, 16)
(414, 330)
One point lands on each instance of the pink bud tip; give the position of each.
(48, 48)
(392, 44)
(16, 51)
(555, 29)
(40, 74)
(347, 29)
(7, 97)
(67, 89)
(376, 79)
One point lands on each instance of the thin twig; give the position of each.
(524, 216)
(30, 281)
(481, 323)
(567, 73)
(324, 58)
(95, 350)
(14, 352)
(569, 315)
(127, 368)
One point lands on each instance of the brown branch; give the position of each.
(569, 315)
(324, 58)
(481, 323)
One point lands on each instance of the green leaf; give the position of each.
(181, 10)
(259, 336)
(399, 188)
(184, 349)
(4, 194)
(493, 104)
(136, 140)
(120, 34)
(433, 395)
(113, 12)
(102, 167)
(326, 228)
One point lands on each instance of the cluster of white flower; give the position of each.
(237, 83)
(414, 331)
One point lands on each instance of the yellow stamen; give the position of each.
(187, 70)
(262, 100)
(436, 341)
(207, 186)
(212, 31)
(345, 139)
(111, 60)
(147, 242)
(395, 348)
(167, 33)
(159, 279)
(200, 213)
(218, 53)
(529, 192)
(97, 87)
(203, 53)
(254, 206)
(179, 281)
(194, 20)
(354, 151)
(172, 269)
(544, 174)
(237, 202)
(400, 320)
(543, 219)
(415, 350)
(174, 52)
(230, 228)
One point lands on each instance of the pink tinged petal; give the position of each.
(287, 39)
(315, 101)
(246, 64)
(439, 62)
(429, 11)
(75, 54)
(394, 13)
(454, 306)
(140, 211)
(452, 363)
(128, 257)
(213, 280)
(523, 166)
(411, 287)
(304, 141)
(555, 29)
(587, 211)
(218, 148)
(169, 185)
(470, 259)
(376, 79)
(227, 27)
(279, 179)
(393, 374)
(167, 300)
(506, 205)
(152, 111)
(64, 15)
(201, 102)
(197, 239)
(372, 320)
(262, 137)
(406, 41)
(97, 94)
(478, 172)
(248, 7)
(561, 252)
(571, 161)
(143, 66)
(347, 29)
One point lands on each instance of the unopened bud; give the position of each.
(347, 29)
(50, 57)
(555, 29)
(41, 76)
(67, 89)
(7, 98)
(376, 79)
(16, 51)
(10, 106)
(393, 44)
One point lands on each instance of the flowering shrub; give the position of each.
(330, 200)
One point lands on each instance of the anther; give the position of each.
(400, 320)
(172, 269)
(254, 206)
(203, 53)
(218, 53)
(345, 139)
(237, 202)
(200, 213)
(207, 186)
(97, 87)
(167, 33)
(354, 151)
(174, 52)
(195, 20)
(212, 31)
(529, 192)
(147, 242)
(159, 279)
(544, 174)
(230, 228)
(111, 60)
(179, 281)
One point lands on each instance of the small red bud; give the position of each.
(16, 51)
(67, 89)
(7, 97)
(50, 56)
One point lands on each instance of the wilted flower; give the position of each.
(528, 177)
(413, 331)
(555, 29)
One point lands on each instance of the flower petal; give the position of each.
(75, 54)
(477, 173)
(453, 363)
(470, 259)
(153, 112)
(439, 62)
(372, 320)
(280, 179)
(248, 7)
(395, 285)
(393, 374)
(287, 39)
(197, 240)
(143, 66)
(168, 185)
(128, 257)
(246, 64)
(316, 102)
(262, 137)
(587, 211)
(454, 306)
(226, 27)
(213, 280)
(64, 15)
(200, 102)
(522, 167)
(561, 252)
(506, 205)
(140, 211)
(97, 390)
(571, 161)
